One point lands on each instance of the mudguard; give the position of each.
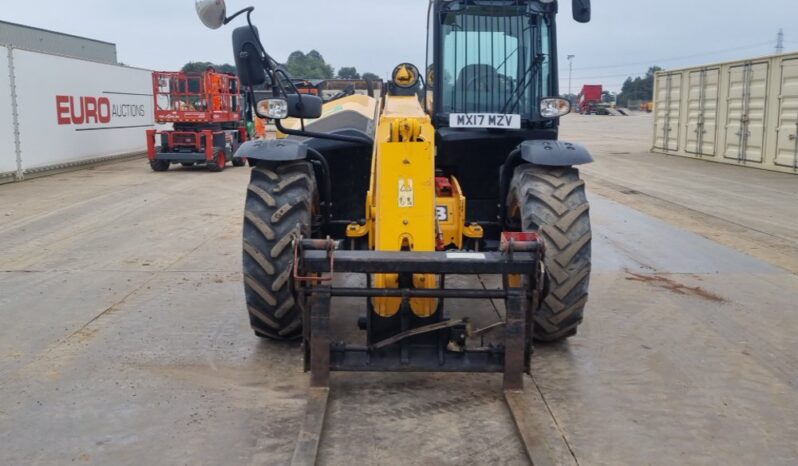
(273, 150)
(554, 153)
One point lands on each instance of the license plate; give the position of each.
(484, 120)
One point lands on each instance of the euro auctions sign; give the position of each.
(73, 110)
(91, 110)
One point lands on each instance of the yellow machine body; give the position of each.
(450, 214)
(403, 212)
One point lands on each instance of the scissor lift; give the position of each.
(205, 111)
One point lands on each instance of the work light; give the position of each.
(276, 109)
(554, 107)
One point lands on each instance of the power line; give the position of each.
(683, 57)
(621, 75)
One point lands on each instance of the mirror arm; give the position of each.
(294, 88)
(245, 10)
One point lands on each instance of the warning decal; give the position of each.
(406, 193)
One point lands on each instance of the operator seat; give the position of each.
(477, 78)
(475, 86)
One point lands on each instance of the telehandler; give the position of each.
(454, 171)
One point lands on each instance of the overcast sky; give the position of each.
(625, 37)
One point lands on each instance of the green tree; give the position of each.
(308, 66)
(348, 72)
(195, 66)
(371, 76)
(639, 88)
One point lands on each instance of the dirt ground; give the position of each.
(125, 340)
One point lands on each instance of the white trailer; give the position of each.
(58, 112)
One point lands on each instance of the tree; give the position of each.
(370, 76)
(195, 66)
(348, 72)
(639, 88)
(308, 66)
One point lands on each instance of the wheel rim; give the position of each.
(221, 160)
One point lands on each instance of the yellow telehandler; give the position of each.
(454, 171)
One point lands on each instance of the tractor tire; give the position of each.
(239, 162)
(159, 165)
(552, 202)
(219, 162)
(279, 207)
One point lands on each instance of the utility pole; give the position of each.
(780, 42)
(570, 73)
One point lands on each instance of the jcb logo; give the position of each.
(83, 110)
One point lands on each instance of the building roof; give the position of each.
(56, 43)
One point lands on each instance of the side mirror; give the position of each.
(311, 106)
(581, 10)
(212, 13)
(248, 56)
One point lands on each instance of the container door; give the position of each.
(702, 111)
(667, 107)
(745, 117)
(787, 145)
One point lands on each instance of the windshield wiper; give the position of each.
(520, 90)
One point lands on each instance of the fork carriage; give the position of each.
(404, 342)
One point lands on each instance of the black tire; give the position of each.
(159, 165)
(279, 207)
(552, 201)
(239, 162)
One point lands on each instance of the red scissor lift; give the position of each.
(205, 110)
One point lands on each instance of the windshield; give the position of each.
(496, 59)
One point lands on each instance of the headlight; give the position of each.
(553, 107)
(276, 109)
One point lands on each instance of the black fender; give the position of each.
(273, 150)
(554, 153)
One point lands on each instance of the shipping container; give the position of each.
(58, 112)
(8, 154)
(741, 113)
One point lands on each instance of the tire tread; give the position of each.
(278, 210)
(553, 202)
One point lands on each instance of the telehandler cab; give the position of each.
(454, 171)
